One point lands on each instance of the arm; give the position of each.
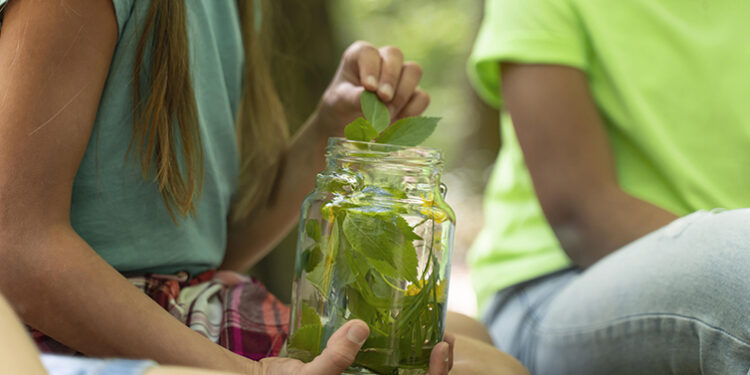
(566, 149)
(396, 83)
(54, 60)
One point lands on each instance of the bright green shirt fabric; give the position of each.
(671, 81)
(121, 215)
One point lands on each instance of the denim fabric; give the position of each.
(676, 301)
(65, 365)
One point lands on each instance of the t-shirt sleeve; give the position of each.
(2, 11)
(525, 31)
(123, 11)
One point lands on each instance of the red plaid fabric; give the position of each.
(232, 310)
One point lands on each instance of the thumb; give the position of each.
(340, 351)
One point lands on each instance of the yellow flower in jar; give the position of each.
(414, 289)
(431, 211)
(327, 212)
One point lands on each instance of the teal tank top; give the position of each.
(122, 215)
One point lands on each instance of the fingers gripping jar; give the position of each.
(375, 244)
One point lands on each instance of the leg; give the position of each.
(473, 349)
(515, 311)
(17, 352)
(675, 301)
(460, 324)
(477, 357)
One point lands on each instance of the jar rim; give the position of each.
(342, 147)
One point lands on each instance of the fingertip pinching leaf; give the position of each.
(375, 111)
(409, 131)
(360, 130)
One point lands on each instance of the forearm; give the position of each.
(60, 286)
(568, 153)
(251, 239)
(598, 223)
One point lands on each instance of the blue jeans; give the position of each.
(64, 365)
(676, 301)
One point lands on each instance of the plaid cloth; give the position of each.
(232, 310)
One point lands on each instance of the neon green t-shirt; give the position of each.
(672, 84)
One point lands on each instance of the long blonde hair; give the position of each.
(165, 124)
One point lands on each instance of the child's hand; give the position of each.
(363, 67)
(339, 354)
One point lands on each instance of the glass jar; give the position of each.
(375, 244)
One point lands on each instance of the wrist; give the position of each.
(325, 122)
(318, 128)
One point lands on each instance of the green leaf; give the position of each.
(344, 273)
(312, 228)
(410, 131)
(386, 238)
(309, 316)
(305, 342)
(385, 268)
(360, 130)
(312, 257)
(377, 354)
(360, 267)
(383, 290)
(321, 276)
(358, 306)
(306, 338)
(375, 111)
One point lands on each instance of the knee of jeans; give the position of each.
(698, 272)
(713, 287)
(704, 275)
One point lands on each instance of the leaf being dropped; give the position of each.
(375, 111)
(360, 130)
(409, 131)
(386, 238)
(312, 228)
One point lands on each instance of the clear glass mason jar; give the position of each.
(375, 244)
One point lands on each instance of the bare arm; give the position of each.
(568, 154)
(54, 60)
(250, 240)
